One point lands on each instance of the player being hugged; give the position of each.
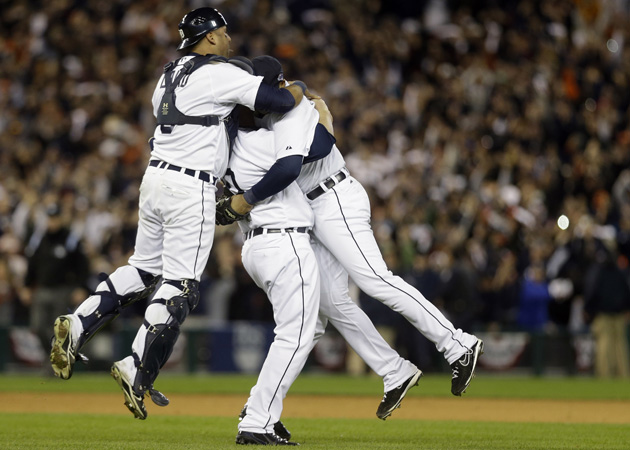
(277, 254)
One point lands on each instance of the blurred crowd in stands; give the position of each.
(474, 125)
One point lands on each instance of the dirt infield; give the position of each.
(425, 408)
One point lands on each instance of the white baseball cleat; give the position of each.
(133, 401)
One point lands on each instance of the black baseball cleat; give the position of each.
(464, 369)
(249, 438)
(63, 353)
(393, 398)
(281, 431)
(278, 427)
(133, 401)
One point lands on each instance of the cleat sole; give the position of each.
(61, 357)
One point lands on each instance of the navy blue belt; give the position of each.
(327, 184)
(258, 231)
(203, 176)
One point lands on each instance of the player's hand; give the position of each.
(308, 94)
(226, 213)
(240, 206)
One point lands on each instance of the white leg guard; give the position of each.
(125, 286)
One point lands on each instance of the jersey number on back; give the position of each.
(173, 74)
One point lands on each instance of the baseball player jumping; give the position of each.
(193, 102)
(342, 226)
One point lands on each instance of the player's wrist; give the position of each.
(301, 84)
(250, 198)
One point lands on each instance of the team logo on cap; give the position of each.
(181, 33)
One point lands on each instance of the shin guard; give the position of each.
(110, 304)
(160, 338)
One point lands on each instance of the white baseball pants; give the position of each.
(353, 324)
(284, 266)
(342, 225)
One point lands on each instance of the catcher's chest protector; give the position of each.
(169, 115)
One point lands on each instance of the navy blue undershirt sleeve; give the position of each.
(322, 144)
(280, 175)
(273, 99)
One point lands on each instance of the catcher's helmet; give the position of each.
(197, 23)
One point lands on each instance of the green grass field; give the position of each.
(100, 431)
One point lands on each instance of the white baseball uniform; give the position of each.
(337, 307)
(177, 196)
(278, 256)
(342, 226)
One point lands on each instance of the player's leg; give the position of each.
(125, 286)
(154, 343)
(286, 269)
(354, 325)
(187, 210)
(398, 374)
(122, 288)
(342, 225)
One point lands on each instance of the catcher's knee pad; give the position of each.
(106, 303)
(160, 338)
(181, 305)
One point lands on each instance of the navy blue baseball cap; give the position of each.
(269, 68)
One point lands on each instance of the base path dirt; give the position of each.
(307, 406)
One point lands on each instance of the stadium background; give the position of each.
(474, 126)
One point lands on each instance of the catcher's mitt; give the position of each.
(225, 215)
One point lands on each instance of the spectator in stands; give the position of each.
(607, 306)
(57, 273)
(480, 122)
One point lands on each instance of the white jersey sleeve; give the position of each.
(237, 87)
(214, 89)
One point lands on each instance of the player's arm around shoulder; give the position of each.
(325, 116)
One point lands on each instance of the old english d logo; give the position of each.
(165, 108)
